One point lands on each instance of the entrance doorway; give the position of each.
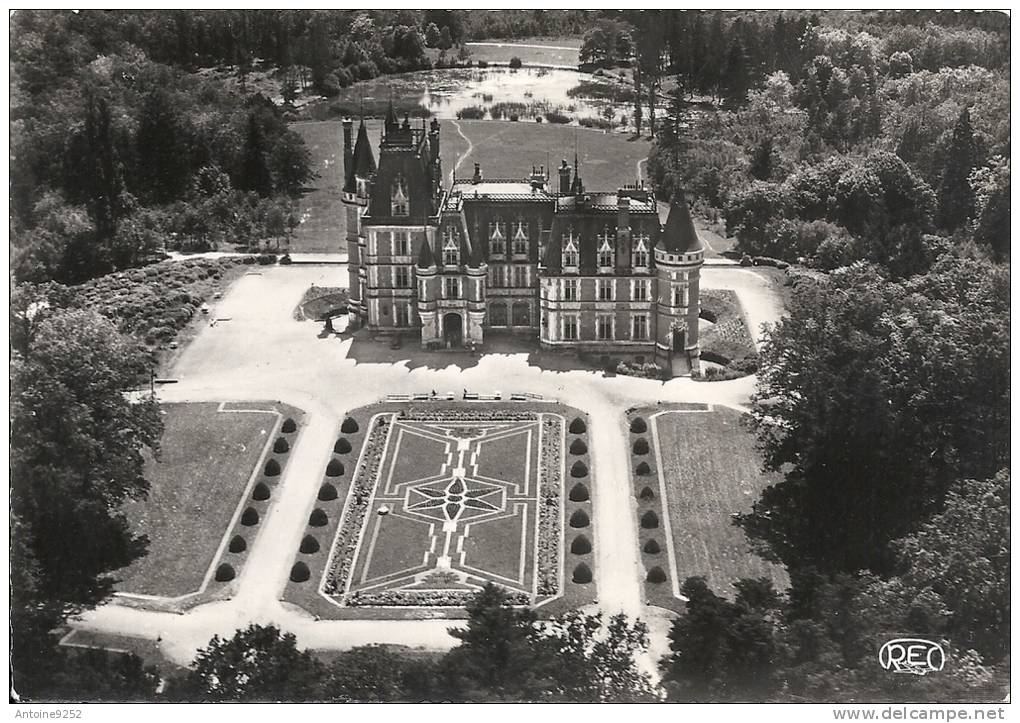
(453, 330)
(679, 339)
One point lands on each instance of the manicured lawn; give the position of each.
(205, 463)
(503, 148)
(551, 51)
(438, 498)
(710, 470)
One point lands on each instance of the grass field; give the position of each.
(560, 51)
(206, 461)
(709, 471)
(436, 499)
(504, 149)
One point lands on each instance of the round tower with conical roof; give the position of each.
(359, 172)
(426, 274)
(679, 256)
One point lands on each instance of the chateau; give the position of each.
(591, 271)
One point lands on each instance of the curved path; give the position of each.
(263, 353)
(465, 154)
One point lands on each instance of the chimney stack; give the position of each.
(564, 178)
(623, 211)
(348, 125)
(477, 178)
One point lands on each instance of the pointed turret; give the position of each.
(363, 162)
(425, 258)
(392, 124)
(679, 234)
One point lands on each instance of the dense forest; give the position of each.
(871, 149)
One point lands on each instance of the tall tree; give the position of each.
(162, 148)
(255, 173)
(76, 457)
(956, 197)
(258, 663)
(873, 396)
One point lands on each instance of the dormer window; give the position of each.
(451, 246)
(520, 237)
(640, 255)
(497, 236)
(570, 255)
(605, 250)
(398, 200)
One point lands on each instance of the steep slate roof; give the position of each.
(679, 235)
(363, 163)
(425, 257)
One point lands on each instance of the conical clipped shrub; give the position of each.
(656, 575)
(649, 520)
(581, 545)
(261, 492)
(638, 425)
(335, 468)
(225, 573)
(272, 468)
(579, 493)
(289, 426)
(579, 469)
(327, 492)
(300, 572)
(579, 519)
(578, 426)
(652, 547)
(582, 574)
(318, 518)
(237, 544)
(641, 446)
(250, 517)
(342, 446)
(647, 494)
(281, 445)
(349, 426)
(309, 545)
(578, 447)
(642, 469)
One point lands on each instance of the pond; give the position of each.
(498, 93)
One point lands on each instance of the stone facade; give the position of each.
(590, 271)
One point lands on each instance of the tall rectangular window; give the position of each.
(604, 327)
(680, 295)
(451, 287)
(570, 327)
(497, 276)
(401, 277)
(570, 289)
(521, 277)
(605, 289)
(640, 330)
(400, 315)
(400, 245)
(640, 292)
(520, 241)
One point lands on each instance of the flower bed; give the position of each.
(418, 414)
(549, 532)
(354, 517)
(427, 598)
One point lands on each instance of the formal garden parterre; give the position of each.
(424, 503)
(693, 467)
(211, 488)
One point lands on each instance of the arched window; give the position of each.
(640, 255)
(605, 250)
(522, 313)
(520, 236)
(570, 255)
(497, 314)
(497, 236)
(398, 199)
(451, 246)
